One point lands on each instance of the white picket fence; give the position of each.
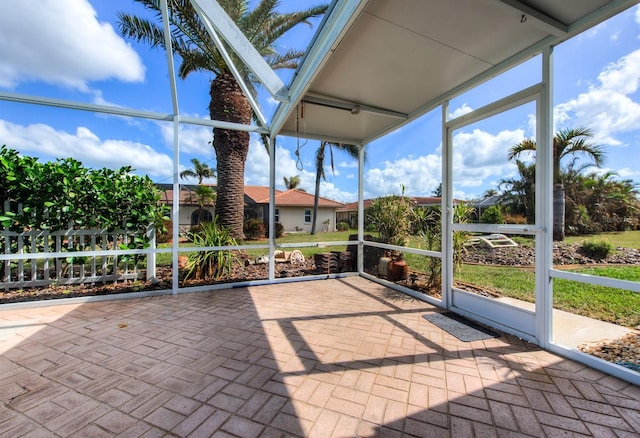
(41, 258)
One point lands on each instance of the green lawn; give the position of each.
(625, 239)
(604, 303)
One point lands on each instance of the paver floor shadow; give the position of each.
(342, 357)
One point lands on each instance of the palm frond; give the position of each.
(141, 30)
(287, 60)
(284, 22)
(254, 23)
(518, 149)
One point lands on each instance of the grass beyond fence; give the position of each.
(618, 306)
(624, 239)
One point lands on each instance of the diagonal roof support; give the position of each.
(236, 74)
(213, 13)
(338, 20)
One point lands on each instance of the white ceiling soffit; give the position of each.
(394, 60)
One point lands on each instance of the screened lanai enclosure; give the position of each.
(373, 69)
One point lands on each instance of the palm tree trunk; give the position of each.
(229, 104)
(316, 194)
(558, 212)
(316, 199)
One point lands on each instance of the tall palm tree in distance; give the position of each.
(350, 149)
(262, 26)
(566, 142)
(200, 171)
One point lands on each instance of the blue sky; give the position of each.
(70, 49)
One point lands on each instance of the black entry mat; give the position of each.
(460, 327)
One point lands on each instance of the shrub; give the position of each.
(194, 229)
(424, 218)
(167, 234)
(210, 264)
(342, 226)
(62, 194)
(253, 229)
(492, 215)
(596, 249)
(515, 219)
(279, 230)
(391, 217)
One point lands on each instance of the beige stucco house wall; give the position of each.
(294, 208)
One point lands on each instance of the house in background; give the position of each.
(349, 213)
(294, 208)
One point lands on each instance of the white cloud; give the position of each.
(478, 157)
(42, 140)
(607, 107)
(331, 191)
(348, 164)
(194, 140)
(62, 43)
(480, 149)
(464, 109)
(627, 173)
(419, 175)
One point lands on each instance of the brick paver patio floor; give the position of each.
(342, 357)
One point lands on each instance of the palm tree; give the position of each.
(566, 142)
(613, 203)
(200, 171)
(203, 195)
(262, 26)
(350, 149)
(292, 182)
(519, 193)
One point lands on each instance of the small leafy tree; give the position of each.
(431, 235)
(492, 215)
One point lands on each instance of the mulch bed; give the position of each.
(564, 254)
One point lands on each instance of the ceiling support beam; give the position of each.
(353, 108)
(542, 20)
(224, 25)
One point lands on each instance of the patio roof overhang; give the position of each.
(378, 64)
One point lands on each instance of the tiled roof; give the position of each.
(427, 200)
(258, 194)
(418, 200)
(298, 198)
(186, 190)
(354, 206)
